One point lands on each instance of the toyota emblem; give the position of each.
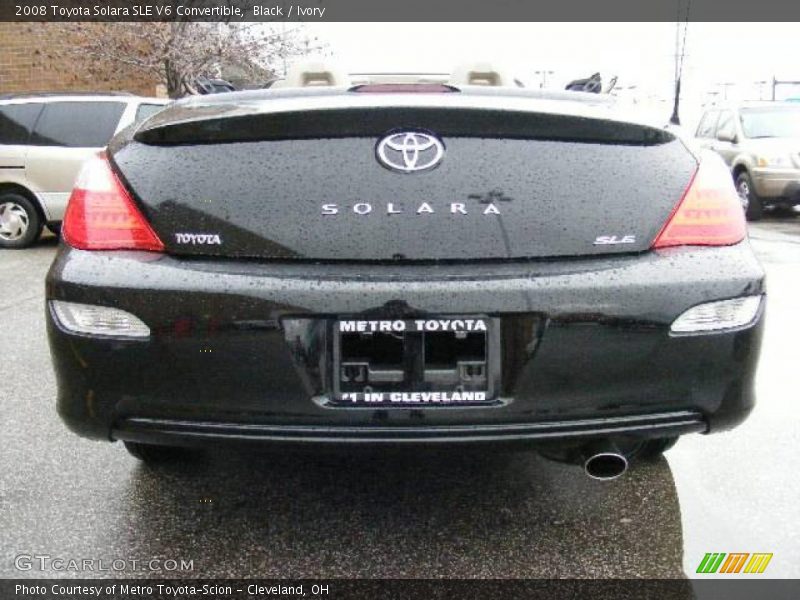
(410, 151)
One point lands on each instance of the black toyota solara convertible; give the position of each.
(407, 264)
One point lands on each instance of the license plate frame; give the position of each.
(430, 361)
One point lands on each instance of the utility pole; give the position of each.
(283, 48)
(680, 55)
(760, 85)
(675, 118)
(725, 85)
(544, 75)
(711, 98)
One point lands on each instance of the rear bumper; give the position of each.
(778, 184)
(189, 433)
(240, 351)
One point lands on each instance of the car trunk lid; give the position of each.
(310, 185)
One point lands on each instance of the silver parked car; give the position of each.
(761, 144)
(44, 140)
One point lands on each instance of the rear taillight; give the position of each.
(710, 212)
(102, 216)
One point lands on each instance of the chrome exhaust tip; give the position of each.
(603, 461)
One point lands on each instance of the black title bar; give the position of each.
(392, 10)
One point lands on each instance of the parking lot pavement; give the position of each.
(740, 489)
(407, 514)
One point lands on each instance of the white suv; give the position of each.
(44, 139)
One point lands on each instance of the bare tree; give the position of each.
(176, 53)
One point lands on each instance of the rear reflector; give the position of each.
(101, 215)
(98, 320)
(710, 212)
(713, 316)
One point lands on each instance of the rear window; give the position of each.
(16, 122)
(147, 110)
(77, 124)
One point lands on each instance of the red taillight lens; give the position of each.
(102, 216)
(710, 212)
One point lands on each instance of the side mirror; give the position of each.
(726, 136)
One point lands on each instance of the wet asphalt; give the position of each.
(247, 513)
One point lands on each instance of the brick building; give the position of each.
(36, 57)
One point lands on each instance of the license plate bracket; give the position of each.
(426, 361)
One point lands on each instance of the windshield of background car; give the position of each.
(771, 122)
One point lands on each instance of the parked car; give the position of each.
(760, 142)
(405, 264)
(44, 140)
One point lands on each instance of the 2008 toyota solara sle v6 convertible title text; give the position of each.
(404, 264)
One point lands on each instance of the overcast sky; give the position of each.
(640, 54)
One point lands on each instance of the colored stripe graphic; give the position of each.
(758, 563)
(711, 562)
(734, 562)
